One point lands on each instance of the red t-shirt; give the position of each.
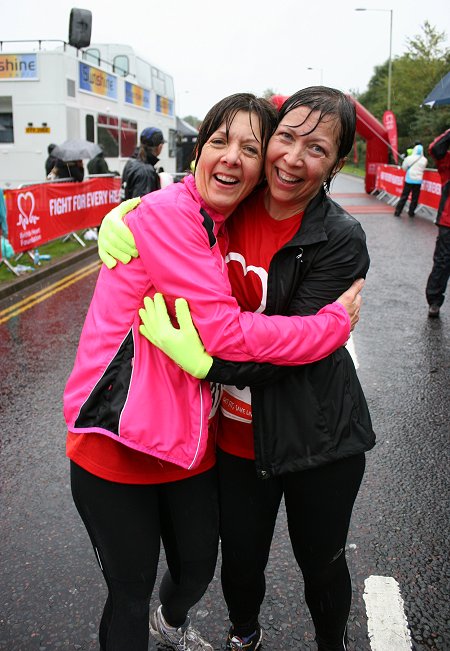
(254, 238)
(108, 459)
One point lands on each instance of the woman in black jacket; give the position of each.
(304, 431)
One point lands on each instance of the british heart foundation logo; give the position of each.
(25, 206)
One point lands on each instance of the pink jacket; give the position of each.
(124, 387)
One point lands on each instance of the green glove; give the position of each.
(183, 345)
(115, 240)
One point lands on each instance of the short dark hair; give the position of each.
(225, 111)
(328, 102)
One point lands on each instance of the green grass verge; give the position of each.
(356, 171)
(57, 249)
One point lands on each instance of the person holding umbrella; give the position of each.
(72, 170)
(70, 155)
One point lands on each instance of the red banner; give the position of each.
(40, 213)
(391, 180)
(390, 123)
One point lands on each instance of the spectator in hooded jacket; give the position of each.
(98, 164)
(414, 166)
(139, 174)
(50, 161)
(438, 279)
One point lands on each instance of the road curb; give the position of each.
(7, 289)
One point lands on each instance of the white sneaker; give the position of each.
(184, 638)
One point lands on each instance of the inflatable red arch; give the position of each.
(373, 132)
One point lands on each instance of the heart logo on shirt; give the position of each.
(259, 271)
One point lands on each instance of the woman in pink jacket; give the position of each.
(142, 464)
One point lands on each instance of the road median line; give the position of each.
(386, 621)
(50, 290)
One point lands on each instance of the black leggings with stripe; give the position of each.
(319, 504)
(125, 523)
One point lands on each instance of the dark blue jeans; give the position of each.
(438, 278)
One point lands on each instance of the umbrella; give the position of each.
(76, 150)
(440, 94)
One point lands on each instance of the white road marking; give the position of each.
(350, 345)
(386, 620)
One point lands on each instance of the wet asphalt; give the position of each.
(51, 590)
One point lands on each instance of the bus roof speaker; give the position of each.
(80, 26)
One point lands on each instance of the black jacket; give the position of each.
(139, 177)
(307, 416)
(50, 164)
(98, 165)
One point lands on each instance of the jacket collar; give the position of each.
(151, 159)
(217, 217)
(312, 229)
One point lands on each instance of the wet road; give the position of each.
(51, 589)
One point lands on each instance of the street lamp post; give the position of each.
(321, 73)
(390, 51)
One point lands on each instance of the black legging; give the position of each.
(319, 504)
(125, 523)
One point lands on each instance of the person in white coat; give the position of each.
(414, 166)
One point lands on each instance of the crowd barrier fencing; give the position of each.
(40, 213)
(37, 214)
(389, 185)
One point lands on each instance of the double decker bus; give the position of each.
(51, 92)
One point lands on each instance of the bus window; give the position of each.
(143, 72)
(6, 119)
(128, 138)
(121, 65)
(169, 87)
(158, 82)
(92, 56)
(108, 134)
(90, 128)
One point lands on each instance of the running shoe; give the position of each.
(184, 638)
(433, 311)
(248, 643)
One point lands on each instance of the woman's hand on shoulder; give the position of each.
(351, 300)
(115, 240)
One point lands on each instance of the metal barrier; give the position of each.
(389, 185)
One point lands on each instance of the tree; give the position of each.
(428, 46)
(268, 93)
(414, 75)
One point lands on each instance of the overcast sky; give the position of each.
(213, 48)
